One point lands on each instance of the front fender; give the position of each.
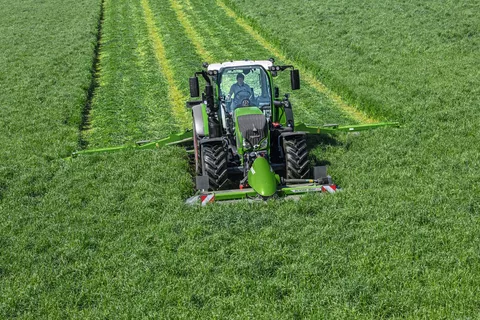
(200, 120)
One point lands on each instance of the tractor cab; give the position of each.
(244, 97)
(244, 86)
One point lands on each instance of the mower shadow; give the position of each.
(322, 141)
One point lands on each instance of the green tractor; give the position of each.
(244, 133)
(246, 144)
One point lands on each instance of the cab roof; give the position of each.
(246, 63)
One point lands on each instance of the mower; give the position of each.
(244, 141)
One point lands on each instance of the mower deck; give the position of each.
(203, 197)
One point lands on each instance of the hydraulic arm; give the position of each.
(332, 128)
(177, 138)
(185, 137)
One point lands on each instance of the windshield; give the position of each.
(246, 85)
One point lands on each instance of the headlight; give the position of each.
(246, 144)
(263, 144)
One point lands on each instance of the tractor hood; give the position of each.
(251, 129)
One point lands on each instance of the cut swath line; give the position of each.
(176, 97)
(181, 11)
(193, 36)
(86, 125)
(307, 76)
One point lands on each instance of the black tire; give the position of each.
(297, 165)
(215, 161)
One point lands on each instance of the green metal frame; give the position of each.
(333, 128)
(250, 193)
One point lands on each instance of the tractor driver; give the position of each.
(241, 91)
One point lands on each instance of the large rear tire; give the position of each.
(214, 164)
(297, 165)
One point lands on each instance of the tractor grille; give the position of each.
(253, 127)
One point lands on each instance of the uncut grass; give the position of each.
(45, 75)
(131, 101)
(69, 256)
(414, 63)
(364, 279)
(46, 54)
(71, 253)
(394, 307)
(45, 72)
(394, 59)
(117, 241)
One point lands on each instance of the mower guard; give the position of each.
(203, 198)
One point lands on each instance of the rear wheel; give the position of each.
(215, 161)
(297, 165)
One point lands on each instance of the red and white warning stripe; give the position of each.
(204, 199)
(329, 188)
(207, 198)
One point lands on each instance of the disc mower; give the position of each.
(244, 140)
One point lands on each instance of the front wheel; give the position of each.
(214, 164)
(297, 165)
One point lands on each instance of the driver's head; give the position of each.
(240, 78)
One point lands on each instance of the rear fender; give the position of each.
(212, 141)
(292, 134)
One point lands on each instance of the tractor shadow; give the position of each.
(317, 146)
(322, 142)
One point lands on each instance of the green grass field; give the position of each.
(108, 236)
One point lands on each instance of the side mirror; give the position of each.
(295, 79)
(276, 92)
(194, 88)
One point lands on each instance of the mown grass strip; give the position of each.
(179, 49)
(174, 94)
(193, 35)
(130, 102)
(186, 12)
(307, 76)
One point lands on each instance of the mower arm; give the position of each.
(173, 139)
(332, 128)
